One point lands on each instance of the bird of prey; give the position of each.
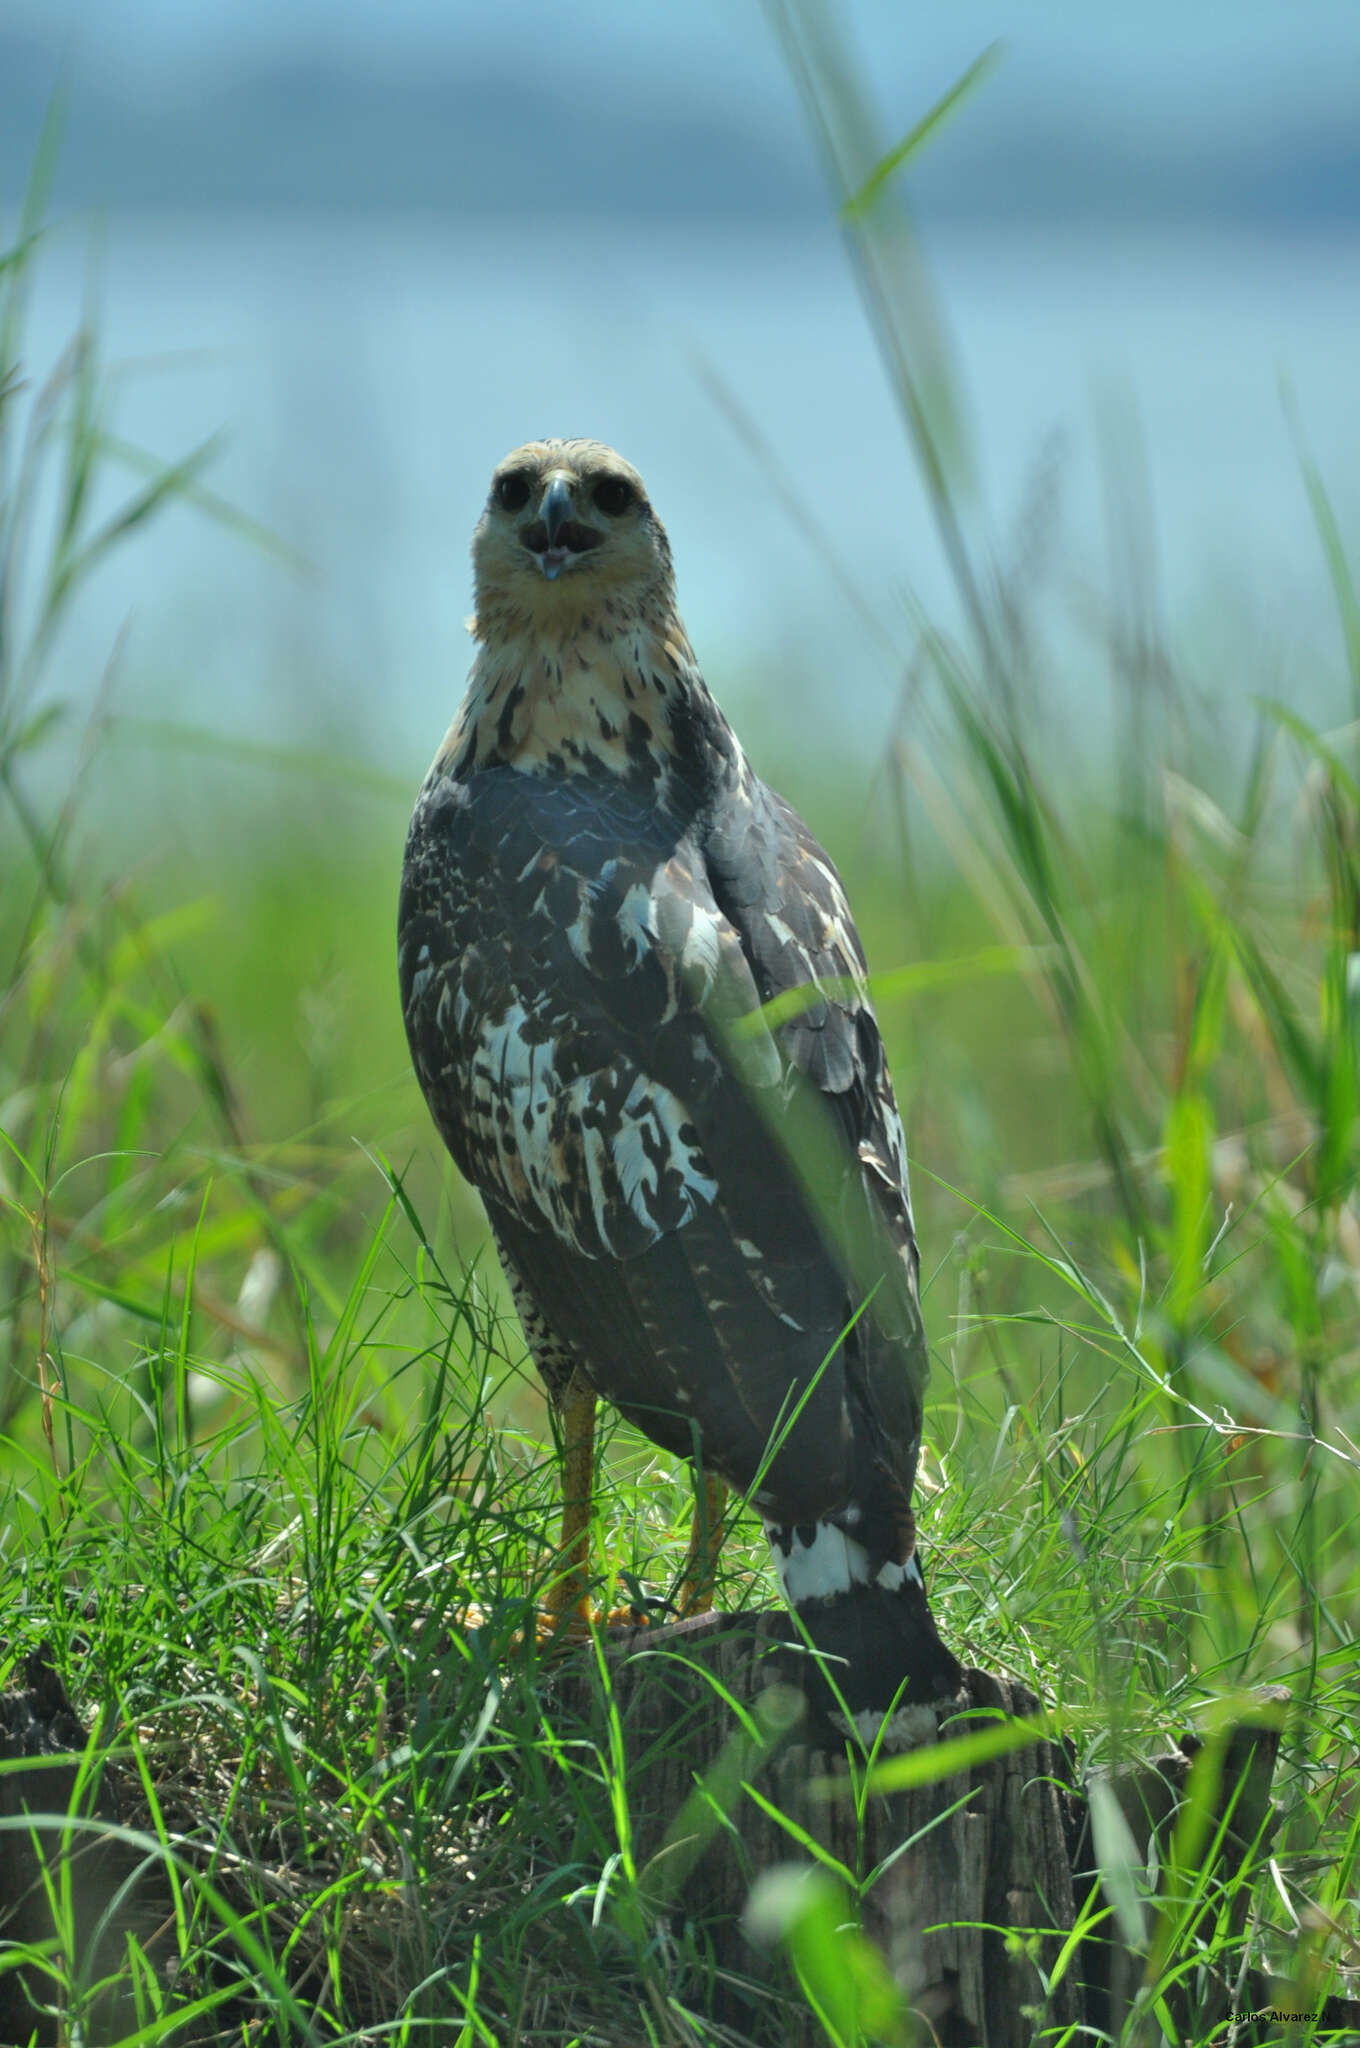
(636, 1003)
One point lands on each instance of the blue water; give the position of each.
(367, 376)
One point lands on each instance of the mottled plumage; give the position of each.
(692, 1197)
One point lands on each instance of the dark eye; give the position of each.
(512, 492)
(612, 495)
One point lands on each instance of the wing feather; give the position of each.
(584, 980)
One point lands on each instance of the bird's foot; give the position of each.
(556, 1629)
(574, 1619)
(559, 1627)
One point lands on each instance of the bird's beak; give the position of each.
(555, 537)
(556, 508)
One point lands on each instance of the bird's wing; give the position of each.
(559, 951)
(782, 894)
(584, 991)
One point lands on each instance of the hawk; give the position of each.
(636, 1004)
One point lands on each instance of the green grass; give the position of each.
(268, 1433)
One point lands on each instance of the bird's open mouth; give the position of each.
(571, 539)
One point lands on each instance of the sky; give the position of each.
(1243, 112)
(1296, 38)
(1195, 58)
(1161, 200)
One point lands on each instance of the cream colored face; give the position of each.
(571, 515)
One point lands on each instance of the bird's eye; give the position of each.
(512, 492)
(612, 495)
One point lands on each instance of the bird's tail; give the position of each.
(871, 1622)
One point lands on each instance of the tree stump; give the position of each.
(42, 1841)
(980, 1875)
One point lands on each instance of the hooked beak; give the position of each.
(556, 508)
(555, 536)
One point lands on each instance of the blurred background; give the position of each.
(377, 245)
(1013, 510)
(343, 259)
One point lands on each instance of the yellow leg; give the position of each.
(566, 1596)
(705, 1541)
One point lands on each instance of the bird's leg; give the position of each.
(705, 1541)
(566, 1596)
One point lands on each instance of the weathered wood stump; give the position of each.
(981, 1874)
(110, 1889)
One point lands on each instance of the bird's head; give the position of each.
(568, 525)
